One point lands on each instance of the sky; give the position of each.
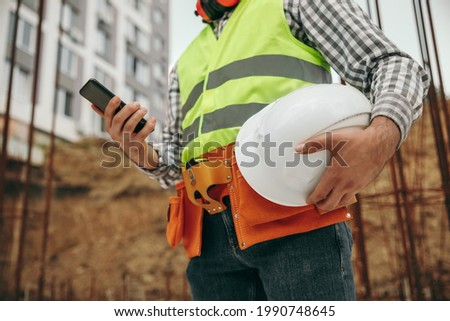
(397, 20)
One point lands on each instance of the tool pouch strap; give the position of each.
(200, 178)
(206, 177)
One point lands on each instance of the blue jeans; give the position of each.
(307, 266)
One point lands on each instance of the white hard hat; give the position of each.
(265, 145)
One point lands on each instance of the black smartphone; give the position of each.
(100, 96)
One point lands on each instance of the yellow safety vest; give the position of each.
(224, 81)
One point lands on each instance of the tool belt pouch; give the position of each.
(261, 220)
(184, 222)
(175, 220)
(249, 201)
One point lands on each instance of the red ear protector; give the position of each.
(211, 10)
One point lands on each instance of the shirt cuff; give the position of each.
(397, 108)
(157, 171)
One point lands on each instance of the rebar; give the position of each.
(362, 263)
(28, 165)
(5, 232)
(434, 106)
(439, 71)
(410, 228)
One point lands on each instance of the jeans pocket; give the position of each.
(349, 234)
(344, 241)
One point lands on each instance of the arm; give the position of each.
(159, 161)
(395, 84)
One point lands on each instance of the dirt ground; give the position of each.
(106, 235)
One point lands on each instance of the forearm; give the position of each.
(142, 154)
(386, 133)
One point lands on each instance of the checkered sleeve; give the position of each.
(169, 170)
(362, 56)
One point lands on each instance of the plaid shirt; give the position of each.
(354, 47)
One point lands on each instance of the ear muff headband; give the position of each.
(213, 9)
(228, 3)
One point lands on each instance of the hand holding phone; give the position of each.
(100, 96)
(120, 120)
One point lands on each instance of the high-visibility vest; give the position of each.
(224, 81)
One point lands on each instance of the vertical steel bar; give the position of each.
(445, 107)
(439, 70)
(426, 259)
(434, 108)
(53, 289)
(443, 252)
(397, 198)
(5, 232)
(377, 6)
(92, 288)
(409, 220)
(50, 163)
(125, 286)
(400, 223)
(362, 263)
(4, 155)
(395, 268)
(70, 291)
(25, 207)
(369, 9)
(41, 281)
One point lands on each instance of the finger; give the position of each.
(122, 116)
(147, 129)
(320, 142)
(109, 111)
(347, 199)
(133, 120)
(312, 145)
(322, 189)
(331, 201)
(97, 110)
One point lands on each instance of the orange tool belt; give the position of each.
(256, 219)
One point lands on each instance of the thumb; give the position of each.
(312, 145)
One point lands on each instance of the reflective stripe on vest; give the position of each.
(225, 81)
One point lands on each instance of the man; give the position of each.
(230, 64)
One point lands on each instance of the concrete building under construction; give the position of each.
(124, 44)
